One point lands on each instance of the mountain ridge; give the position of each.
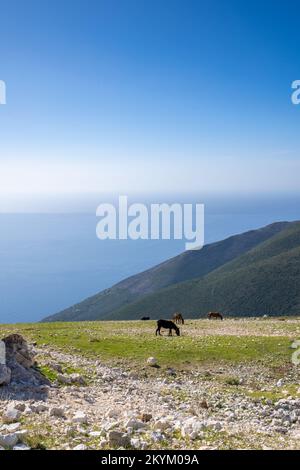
(244, 287)
(186, 267)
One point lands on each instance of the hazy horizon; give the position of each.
(87, 203)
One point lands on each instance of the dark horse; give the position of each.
(215, 315)
(145, 318)
(168, 325)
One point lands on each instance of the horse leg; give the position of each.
(170, 332)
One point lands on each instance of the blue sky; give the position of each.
(155, 95)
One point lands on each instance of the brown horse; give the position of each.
(178, 318)
(215, 316)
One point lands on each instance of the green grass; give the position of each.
(47, 372)
(127, 341)
(234, 381)
(275, 394)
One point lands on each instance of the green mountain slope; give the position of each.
(188, 266)
(265, 280)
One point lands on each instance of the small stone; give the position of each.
(171, 371)
(20, 406)
(119, 439)
(217, 426)
(89, 399)
(112, 413)
(151, 361)
(77, 379)
(59, 412)
(64, 379)
(146, 417)
(95, 433)
(12, 427)
(40, 408)
(80, 447)
(21, 446)
(8, 441)
(204, 404)
(156, 436)
(135, 442)
(11, 415)
(162, 424)
(21, 434)
(103, 443)
(134, 424)
(80, 417)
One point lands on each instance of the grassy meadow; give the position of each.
(202, 342)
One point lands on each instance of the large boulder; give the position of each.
(2, 353)
(5, 372)
(17, 351)
(17, 364)
(5, 375)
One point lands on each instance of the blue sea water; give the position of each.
(49, 261)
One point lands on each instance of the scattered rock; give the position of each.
(192, 428)
(8, 441)
(11, 427)
(11, 415)
(59, 412)
(135, 424)
(64, 379)
(20, 406)
(77, 379)
(39, 408)
(151, 361)
(80, 447)
(146, 417)
(95, 433)
(156, 436)
(21, 446)
(162, 424)
(80, 417)
(118, 439)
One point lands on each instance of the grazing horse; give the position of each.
(168, 325)
(178, 318)
(215, 315)
(145, 318)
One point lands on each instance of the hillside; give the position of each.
(265, 280)
(122, 300)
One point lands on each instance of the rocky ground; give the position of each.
(94, 405)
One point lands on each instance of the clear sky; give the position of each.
(152, 95)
